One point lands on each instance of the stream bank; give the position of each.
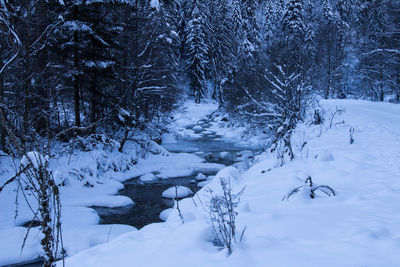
(147, 196)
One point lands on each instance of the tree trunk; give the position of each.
(2, 129)
(328, 86)
(41, 103)
(381, 93)
(27, 91)
(76, 76)
(93, 100)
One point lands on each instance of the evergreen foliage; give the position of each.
(69, 67)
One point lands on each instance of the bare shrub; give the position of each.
(339, 111)
(34, 178)
(222, 210)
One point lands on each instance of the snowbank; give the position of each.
(357, 227)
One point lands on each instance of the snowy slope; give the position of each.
(360, 226)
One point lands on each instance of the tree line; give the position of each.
(71, 67)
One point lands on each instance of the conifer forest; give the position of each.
(116, 115)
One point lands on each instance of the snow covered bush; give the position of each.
(282, 146)
(222, 210)
(311, 190)
(94, 141)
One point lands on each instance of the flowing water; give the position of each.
(147, 197)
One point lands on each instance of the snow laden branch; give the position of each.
(382, 50)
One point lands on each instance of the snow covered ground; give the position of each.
(360, 226)
(102, 169)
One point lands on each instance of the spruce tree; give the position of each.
(197, 50)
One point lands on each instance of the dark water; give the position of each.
(148, 202)
(33, 263)
(147, 197)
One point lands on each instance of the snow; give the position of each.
(165, 213)
(357, 227)
(177, 192)
(174, 165)
(198, 128)
(148, 178)
(202, 184)
(200, 177)
(168, 138)
(155, 4)
(34, 158)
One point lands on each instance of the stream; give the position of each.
(147, 197)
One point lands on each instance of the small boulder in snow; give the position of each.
(197, 128)
(147, 178)
(165, 213)
(177, 192)
(224, 155)
(201, 177)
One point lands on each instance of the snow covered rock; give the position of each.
(165, 213)
(200, 177)
(177, 192)
(231, 173)
(148, 178)
(224, 155)
(197, 128)
(209, 132)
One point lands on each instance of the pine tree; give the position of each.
(221, 48)
(87, 41)
(294, 30)
(251, 30)
(374, 68)
(197, 50)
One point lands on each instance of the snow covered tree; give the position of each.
(158, 61)
(376, 66)
(294, 29)
(251, 30)
(221, 49)
(88, 40)
(197, 50)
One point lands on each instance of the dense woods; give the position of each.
(72, 67)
